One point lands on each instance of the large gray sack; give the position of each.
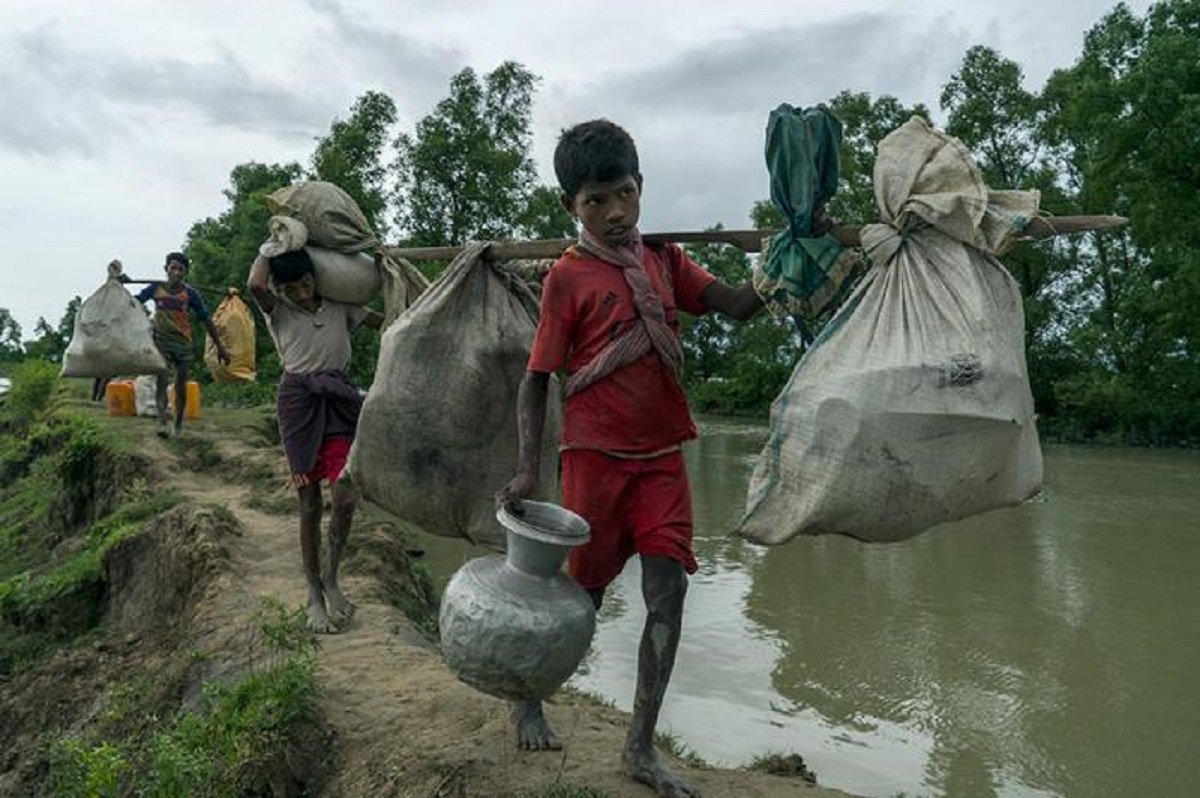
(438, 432)
(331, 220)
(112, 336)
(331, 216)
(913, 406)
(353, 279)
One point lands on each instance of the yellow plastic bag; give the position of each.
(235, 323)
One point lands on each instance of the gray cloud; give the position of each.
(49, 105)
(415, 71)
(699, 117)
(63, 100)
(802, 65)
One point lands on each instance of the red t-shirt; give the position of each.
(639, 408)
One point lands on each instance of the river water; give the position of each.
(1047, 650)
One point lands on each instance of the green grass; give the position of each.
(70, 489)
(31, 588)
(50, 604)
(240, 394)
(669, 743)
(231, 745)
(588, 696)
(790, 765)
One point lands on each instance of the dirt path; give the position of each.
(400, 723)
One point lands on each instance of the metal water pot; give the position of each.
(515, 626)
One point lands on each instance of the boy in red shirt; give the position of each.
(610, 315)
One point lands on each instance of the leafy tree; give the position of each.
(51, 342)
(222, 248)
(467, 173)
(352, 155)
(995, 116)
(544, 216)
(10, 337)
(865, 121)
(1121, 122)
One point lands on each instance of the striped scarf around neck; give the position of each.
(650, 333)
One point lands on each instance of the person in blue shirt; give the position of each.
(174, 300)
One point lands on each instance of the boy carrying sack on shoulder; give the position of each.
(318, 409)
(610, 316)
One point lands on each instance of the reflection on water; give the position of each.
(1049, 649)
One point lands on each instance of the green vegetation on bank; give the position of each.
(69, 492)
(234, 743)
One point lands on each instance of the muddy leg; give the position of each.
(340, 609)
(181, 375)
(664, 585)
(160, 403)
(310, 552)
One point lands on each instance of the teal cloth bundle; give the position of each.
(800, 276)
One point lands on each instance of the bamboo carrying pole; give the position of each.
(205, 288)
(747, 240)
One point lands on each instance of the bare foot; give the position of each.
(533, 730)
(645, 766)
(341, 610)
(318, 621)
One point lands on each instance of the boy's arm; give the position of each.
(531, 418)
(197, 305)
(256, 283)
(146, 294)
(222, 352)
(740, 302)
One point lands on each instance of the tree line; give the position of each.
(1112, 319)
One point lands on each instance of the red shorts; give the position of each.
(633, 506)
(331, 459)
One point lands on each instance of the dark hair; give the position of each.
(594, 152)
(179, 256)
(291, 266)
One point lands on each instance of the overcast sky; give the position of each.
(121, 120)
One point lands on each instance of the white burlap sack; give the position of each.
(438, 432)
(913, 406)
(284, 234)
(112, 336)
(353, 279)
(144, 389)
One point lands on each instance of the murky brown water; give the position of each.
(1047, 650)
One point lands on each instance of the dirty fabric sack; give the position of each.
(144, 402)
(332, 220)
(284, 234)
(235, 324)
(438, 432)
(913, 406)
(112, 336)
(352, 278)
